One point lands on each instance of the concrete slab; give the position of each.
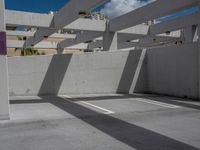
(60, 123)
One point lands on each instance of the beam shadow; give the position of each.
(99, 98)
(55, 75)
(130, 134)
(132, 79)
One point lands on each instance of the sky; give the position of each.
(112, 9)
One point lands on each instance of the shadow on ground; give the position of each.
(130, 134)
(173, 100)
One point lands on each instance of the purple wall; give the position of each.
(3, 43)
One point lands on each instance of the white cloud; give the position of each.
(119, 7)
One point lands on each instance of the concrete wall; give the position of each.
(173, 70)
(105, 72)
(4, 107)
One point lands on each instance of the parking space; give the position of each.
(120, 103)
(101, 122)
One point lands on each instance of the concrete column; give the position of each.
(198, 63)
(4, 92)
(59, 49)
(198, 32)
(109, 40)
(189, 33)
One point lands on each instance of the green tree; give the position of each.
(28, 51)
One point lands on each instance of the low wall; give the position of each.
(89, 73)
(173, 70)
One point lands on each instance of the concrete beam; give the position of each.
(109, 39)
(152, 11)
(175, 24)
(65, 16)
(96, 44)
(31, 34)
(4, 92)
(43, 45)
(125, 37)
(125, 45)
(198, 63)
(189, 34)
(138, 29)
(81, 38)
(20, 18)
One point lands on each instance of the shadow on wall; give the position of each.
(55, 75)
(134, 77)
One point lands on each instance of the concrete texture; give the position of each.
(144, 122)
(173, 70)
(170, 70)
(4, 107)
(89, 73)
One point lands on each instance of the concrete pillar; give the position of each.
(198, 32)
(198, 63)
(189, 33)
(4, 92)
(109, 40)
(59, 49)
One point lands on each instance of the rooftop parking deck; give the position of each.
(88, 122)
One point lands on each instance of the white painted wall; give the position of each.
(105, 72)
(173, 70)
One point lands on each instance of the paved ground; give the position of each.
(111, 122)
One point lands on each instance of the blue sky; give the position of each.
(42, 6)
(45, 6)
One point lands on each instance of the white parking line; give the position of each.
(157, 103)
(106, 111)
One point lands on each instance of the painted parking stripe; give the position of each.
(105, 111)
(157, 103)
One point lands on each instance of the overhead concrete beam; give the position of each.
(95, 44)
(151, 11)
(65, 16)
(125, 37)
(138, 29)
(31, 34)
(20, 18)
(43, 45)
(175, 24)
(81, 38)
(125, 45)
(82, 24)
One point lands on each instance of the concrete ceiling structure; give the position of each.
(115, 34)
